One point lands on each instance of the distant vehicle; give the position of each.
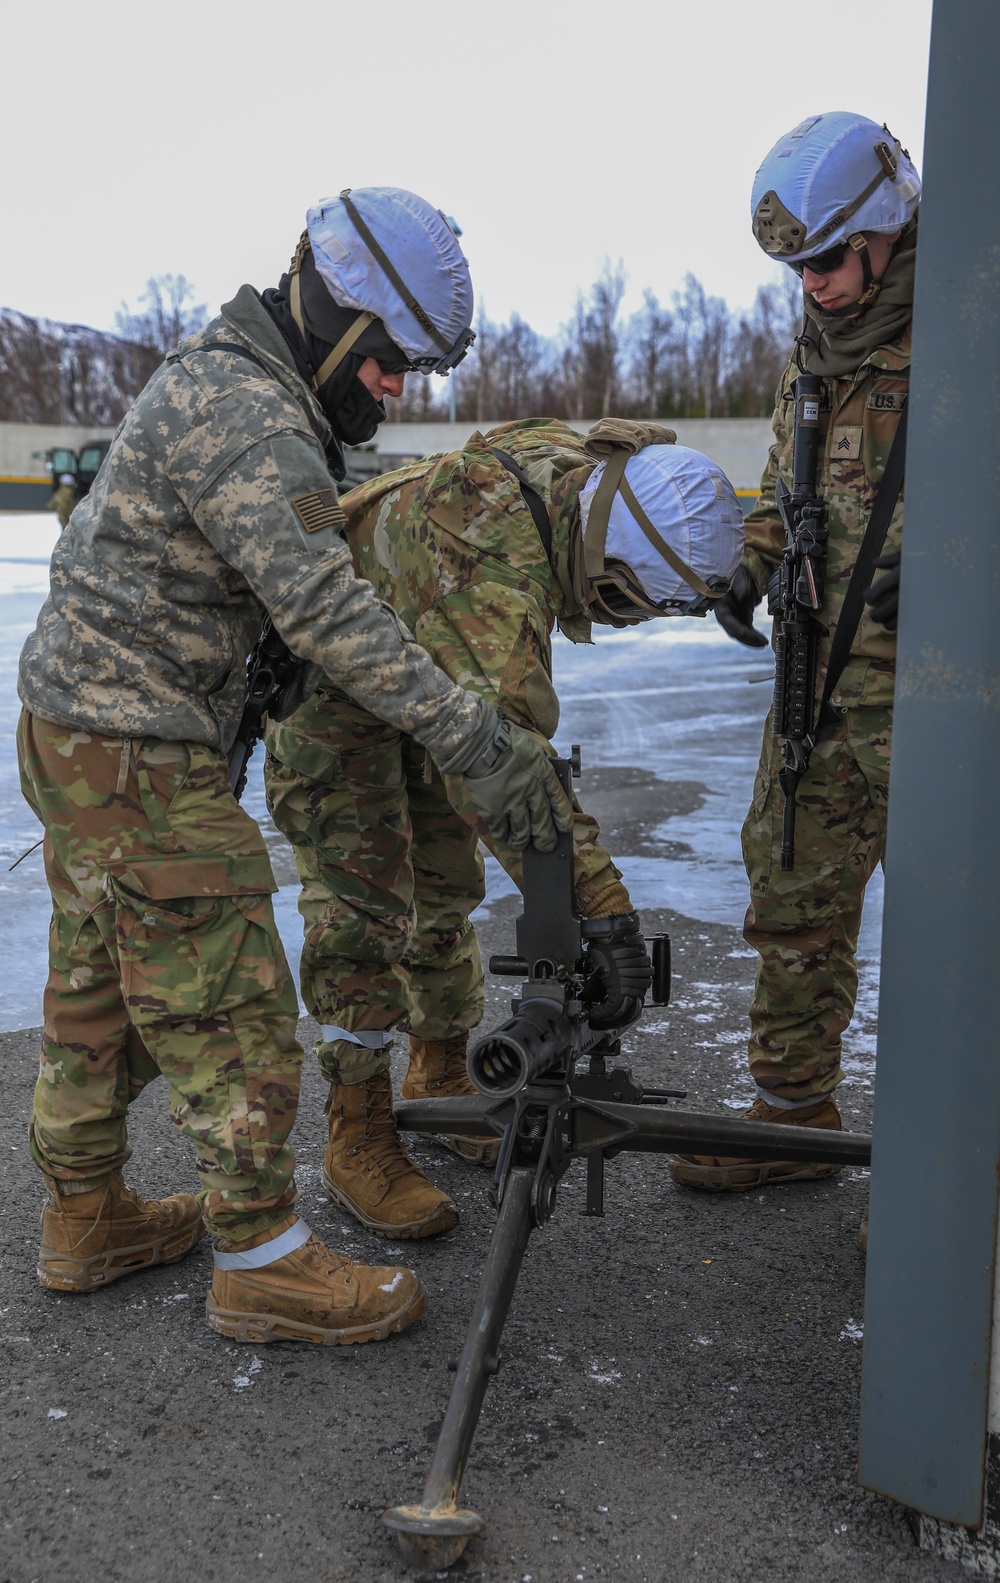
(84, 464)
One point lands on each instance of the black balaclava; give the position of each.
(352, 411)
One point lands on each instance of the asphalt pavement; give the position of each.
(678, 1390)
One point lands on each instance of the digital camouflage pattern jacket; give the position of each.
(214, 503)
(857, 423)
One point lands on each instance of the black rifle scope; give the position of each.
(521, 1049)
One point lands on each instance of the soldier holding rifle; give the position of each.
(836, 200)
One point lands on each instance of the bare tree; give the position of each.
(649, 384)
(166, 317)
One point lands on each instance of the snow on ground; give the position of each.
(671, 699)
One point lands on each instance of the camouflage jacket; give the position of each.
(857, 422)
(214, 503)
(62, 502)
(449, 543)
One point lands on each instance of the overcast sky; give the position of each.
(146, 137)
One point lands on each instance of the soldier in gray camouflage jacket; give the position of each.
(214, 505)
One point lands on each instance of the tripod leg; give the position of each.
(438, 1530)
(595, 1183)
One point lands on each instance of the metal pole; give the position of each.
(936, 1152)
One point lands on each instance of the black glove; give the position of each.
(882, 595)
(620, 970)
(734, 611)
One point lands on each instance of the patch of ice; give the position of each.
(241, 1381)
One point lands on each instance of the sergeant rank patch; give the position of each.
(319, 509)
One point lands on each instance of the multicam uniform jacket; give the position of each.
(214, 501)
(858, 422)
(449, 543)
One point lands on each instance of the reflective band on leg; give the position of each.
(777, 1103)
(367, 1038)
(268, 1252)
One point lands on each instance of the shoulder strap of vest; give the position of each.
(232, 346)
(532, 499)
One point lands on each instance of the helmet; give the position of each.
(394, 257)
(830, 178)
(67, 478)
(662, 534)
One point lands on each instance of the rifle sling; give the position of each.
(532, 499)
(861, 577)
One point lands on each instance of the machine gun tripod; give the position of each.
(544, 1082)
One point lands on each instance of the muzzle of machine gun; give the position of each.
(523, 1048)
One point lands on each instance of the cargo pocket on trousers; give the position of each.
(192, 957)
(762, 831)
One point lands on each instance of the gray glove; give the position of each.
(734, 611)
(516, 792)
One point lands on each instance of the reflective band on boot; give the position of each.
(268, 1252)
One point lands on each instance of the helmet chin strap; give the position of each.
(351, 334)
(870, 287)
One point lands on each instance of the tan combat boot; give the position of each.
(721, 1175)
(437, 1069)
(309, 1294)
(89, 1239)
(367, 1171)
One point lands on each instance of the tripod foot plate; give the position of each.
(436, 1537)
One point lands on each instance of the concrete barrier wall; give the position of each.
(739, 445)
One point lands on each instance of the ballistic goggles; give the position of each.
(614, 594)
(821, 263)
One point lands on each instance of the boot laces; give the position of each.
(382, 1149)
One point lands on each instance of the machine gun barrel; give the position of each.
(521, 1049)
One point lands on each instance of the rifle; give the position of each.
(277, 682)
(795, 594)
(543, 1082)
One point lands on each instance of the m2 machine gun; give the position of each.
(551, 1084)
(795, 594)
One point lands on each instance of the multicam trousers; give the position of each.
(163, 957)
(390, 873)
(804, 924)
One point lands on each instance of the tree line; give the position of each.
(691, 357)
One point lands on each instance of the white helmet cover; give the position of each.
(806, 192)
(66, 478)
(691, 503)
(421, 246)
